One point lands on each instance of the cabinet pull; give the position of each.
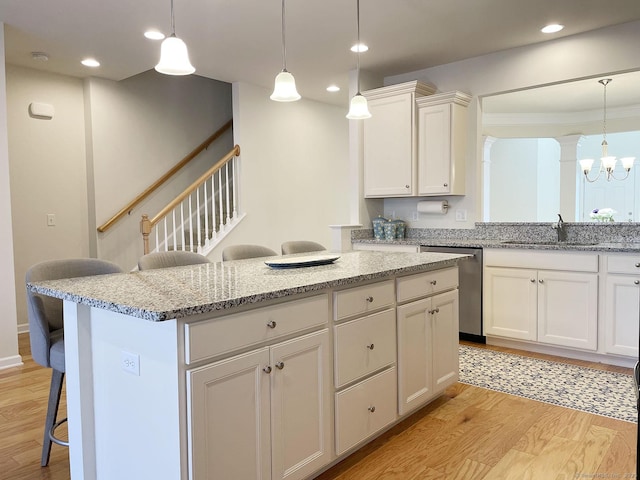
(406, 186)
(435, 310)
(540, 281)
(638, 265)
(280, 365)
(636, 282)
(267, 369)
(433, 282)
(369, 299)
(372, 408)
(370, 346)
(446, 185)
(271, 324)
(533, 280)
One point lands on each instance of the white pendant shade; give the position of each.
(358, 108)
(285, 88)
(174, 58)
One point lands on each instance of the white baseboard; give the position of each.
(8, 362)
(23, 328)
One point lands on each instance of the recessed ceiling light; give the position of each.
(154, 35)
(552, 28)
(333, 88)
(90, 62)
(360, 47)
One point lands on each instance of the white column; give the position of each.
(569, 176)
(8, 315)
(485, 171)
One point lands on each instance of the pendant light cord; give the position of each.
(357, 46)
(605, 145)
(284, 48)
(173, 22)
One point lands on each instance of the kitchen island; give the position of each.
(236, 370)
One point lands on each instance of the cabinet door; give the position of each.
(300, 406)
(568, 309)
(389, 147)
(622, 299)
(434, 149)
(415, 373)
(510, 302)
(228, 418)
(444, 321)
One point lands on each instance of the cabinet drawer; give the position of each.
(360, 300)
(623, 264)
(364, 346)
(225, 334)
(364, 409)
(421, 285)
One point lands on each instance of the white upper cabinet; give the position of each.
(390, 143)
(414, 142)
(442, 143)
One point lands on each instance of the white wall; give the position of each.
(294, 166)
(606, 50)
(140, 128)
(8, 338)
(48, 176)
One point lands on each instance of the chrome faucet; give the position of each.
(561, 228)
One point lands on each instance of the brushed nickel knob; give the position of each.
(372, 408)
(406, 186)
(533, 280)
(271, 324)
(433, 282)
(638, 265)
(636, 282)
(267, 369)
(446, 185)
(540, 281)
(280, 365)
(370, 346)
(437, 310)
(369, 299)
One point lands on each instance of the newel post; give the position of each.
(145, 229)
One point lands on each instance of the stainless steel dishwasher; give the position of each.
(470, 290)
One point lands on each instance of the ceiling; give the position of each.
(240, 40)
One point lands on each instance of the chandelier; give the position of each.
(607, 162)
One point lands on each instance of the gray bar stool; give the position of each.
(177, 258)
(46, 331)
(240, 252)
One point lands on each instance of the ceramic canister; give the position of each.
(389, 231)
(378, 227)
(400, 228)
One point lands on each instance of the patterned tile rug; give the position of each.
(594, 391)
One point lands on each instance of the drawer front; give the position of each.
(541, 260)
(364, 409)
(365, 345)
(361, 300)
(623, 264)
(225, 334)
(423, 284)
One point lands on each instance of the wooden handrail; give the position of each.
(146, 225)
(153, 187)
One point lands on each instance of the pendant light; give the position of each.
(284, 89)
(358, 108)
(607, 162)
(174, 58)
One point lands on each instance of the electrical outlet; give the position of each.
(415, 216)
(461, 215)
(130, 362)
(51, 219)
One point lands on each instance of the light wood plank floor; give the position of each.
(469, 433)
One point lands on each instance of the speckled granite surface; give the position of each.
(599, 237)
(178, 292)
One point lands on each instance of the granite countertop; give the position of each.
(633, 247)
(164, 294)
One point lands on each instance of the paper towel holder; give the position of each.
(433, 207)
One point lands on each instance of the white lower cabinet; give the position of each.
(427, 349)
(622, 304)
(551, 305)
(262, 415)
(364, 409)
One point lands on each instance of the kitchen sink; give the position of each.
(552, 243)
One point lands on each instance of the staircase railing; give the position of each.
(158, 183)
(200, 214)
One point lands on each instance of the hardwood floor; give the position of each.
(470, 433)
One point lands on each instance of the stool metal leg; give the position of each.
(55, 391)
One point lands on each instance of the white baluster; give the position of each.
(235, 186)
(166, 237)
(156, 248)
(226, 168)
(173, 218)
(198, 226)
(206, 214)
(181, 227)
(220, 203)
